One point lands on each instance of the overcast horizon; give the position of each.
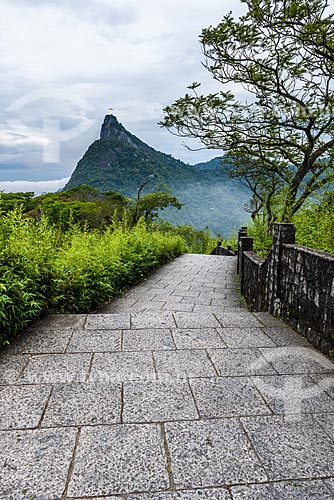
(64, 64)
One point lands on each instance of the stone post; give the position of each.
(282, 234)
(241, 234)
(245, 245)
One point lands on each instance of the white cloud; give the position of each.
(123, 53)
(37, 187)
(12, 139)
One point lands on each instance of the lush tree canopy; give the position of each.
(279, 133)
(87, 206)
(148, 206)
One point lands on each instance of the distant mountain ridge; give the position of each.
(121, 162)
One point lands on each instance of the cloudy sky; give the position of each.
(63, 63)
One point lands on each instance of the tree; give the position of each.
(263, 184)
(280, 57)
(148, 206)
(10, 201)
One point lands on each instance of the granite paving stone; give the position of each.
(326, 422)
(330, 485)
(197, 283)
(171, 299)
(325, 381)
(186, 293)
(222, 289)
(295, 359)
(121, 366)
(203, 288)
(269, 320)
(212, 494)
(60, 322)
(141, 294)
(114, 309)
(239, 320)
(178, 306)
(291, 449)
(126, 303)
(34, 464)
(152, 320)
(119, 459)
(182, 364)
(149, 339)
(38, 342)
(95, 341)
(195, 320)
(197, 338)
(294, 394)
(84, 404)
(227, 397)
(11, 367)
(223, 281)
(175, 391)
(22, 406)
(217, 309)
(162, 283)
(99, 498)
(142, 307)
(108, 321)
(203, 301)
(224, 302)
(56, 368)
(158, 402)
(240, 362)
(176, 289)
(245, 337)
(292, 490)
(139, 291)
(214, 295)
(285, 336)
(211, 453)
(160, 294)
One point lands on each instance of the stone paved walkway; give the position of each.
(174, 392)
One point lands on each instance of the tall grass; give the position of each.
(43, 270)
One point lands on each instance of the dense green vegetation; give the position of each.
(88, 207)
(195, 241)
(315, 224)
(121, 162)
(46, 270)
(69, 252)
(314, 227)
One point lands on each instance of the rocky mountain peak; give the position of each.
(111, 128)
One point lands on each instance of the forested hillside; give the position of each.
(121, 162)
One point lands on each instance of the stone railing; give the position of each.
(219, 250)
(294, 283)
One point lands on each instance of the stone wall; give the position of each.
(219, 250)
(294, 283)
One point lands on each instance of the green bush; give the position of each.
(257, 229)
(315, 224)
(314, 227)
(197, 241)
(43, 270)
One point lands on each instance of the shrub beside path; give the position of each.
(173, 392)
